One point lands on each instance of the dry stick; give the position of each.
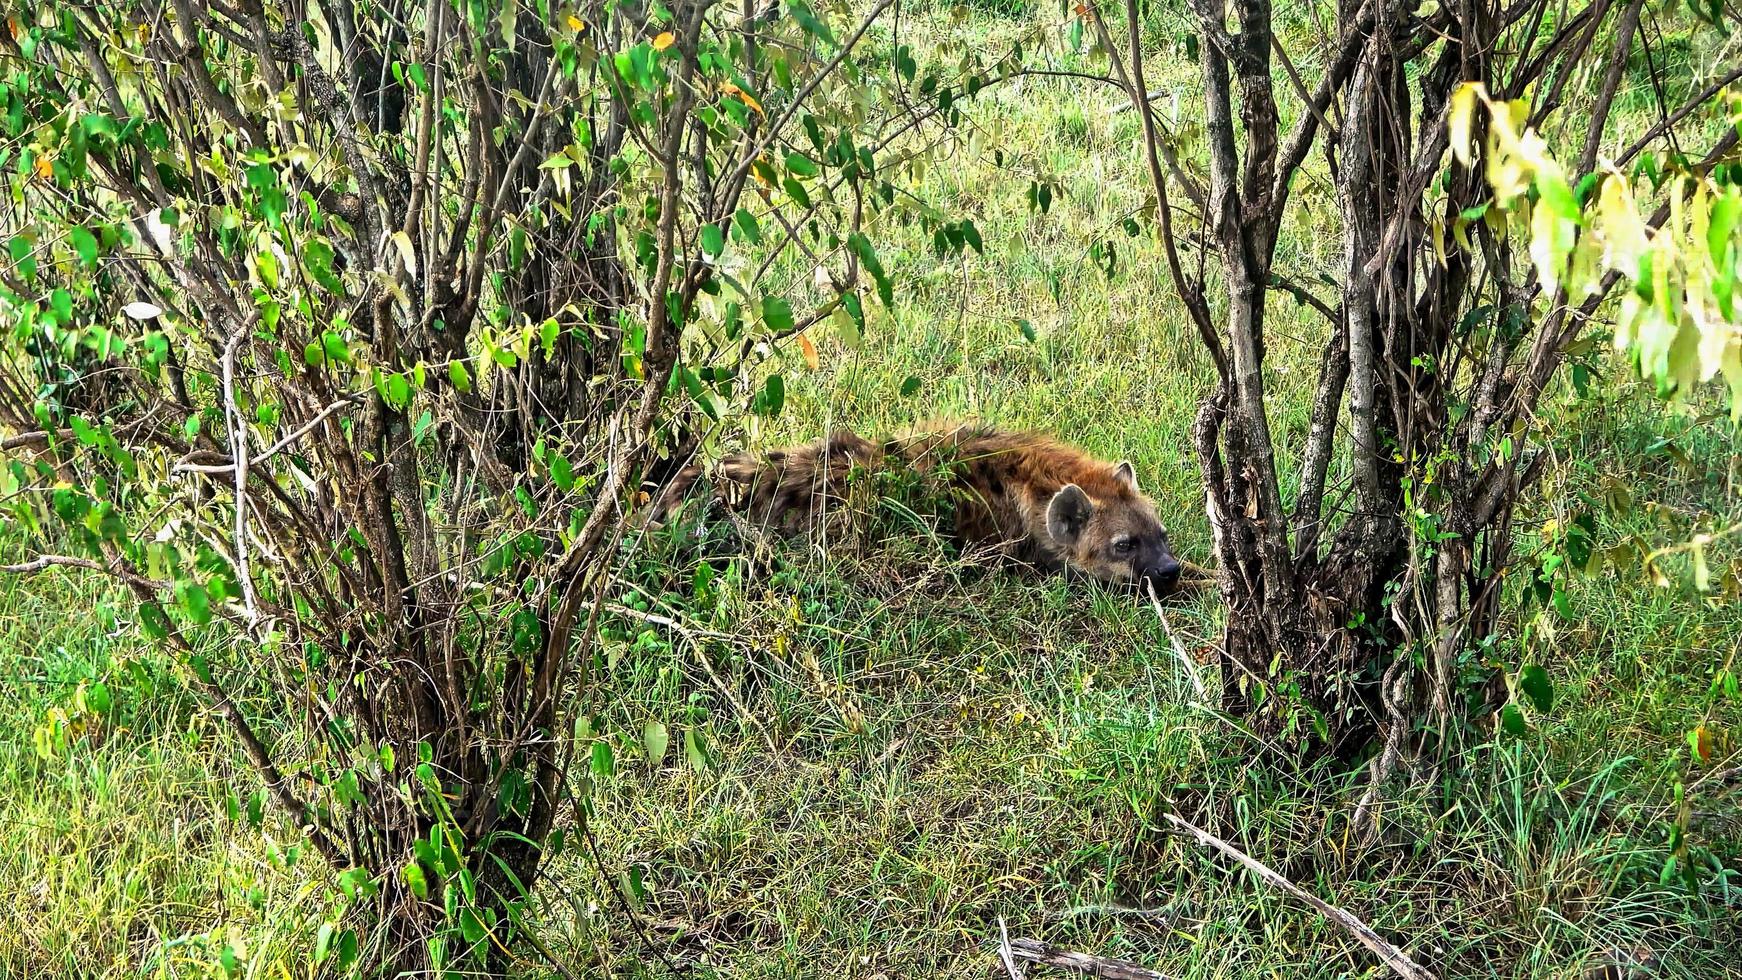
(1046, 954)
(1179, 651)
(1391, 955)
(44, 562)
(276, 447)
(238, 437)
(1005, 954)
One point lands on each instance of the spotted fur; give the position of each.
(1021, 494)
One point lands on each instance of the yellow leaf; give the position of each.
(664, 41)
(731, 88)
(810, 352)
(1700, 740)
(1460, 231)
(1623, 232)
(44, 167)
(576, 24)
(1458, 123)
(1551, 239)
(407, 254)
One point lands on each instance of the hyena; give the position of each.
(1023, 495)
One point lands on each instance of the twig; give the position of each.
(1005, 954)
(238, 436)
(1147, 97)
(1046, 954)
(275, 448)
(44, 562)
(1391, 955)
(1668, 123)
(1179, 651)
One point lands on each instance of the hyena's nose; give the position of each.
(1164, 573)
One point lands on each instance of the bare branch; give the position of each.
(1611, 84)
(1300, 139)
(1106, 967)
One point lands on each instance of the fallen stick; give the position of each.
(1006, 954)
(1391, 955)
(1046, 954)
(1179, 651)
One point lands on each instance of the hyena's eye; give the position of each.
(1124, 546)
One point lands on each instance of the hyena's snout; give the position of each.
(1162, 573)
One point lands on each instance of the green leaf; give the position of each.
(415, 879)
(198, 604)
(801, 165)
(547, 335)
(604, 762)
(1534, 682)
(1726, 211)
(905, 66)
(1557, 195)
(397, 391)
(808, 20)
(746, 228)
(266, 264)
(910, 386)
(1512, 721)
(458, 377)
(694, 751)
(771, 398)
(323, 943)
(861, 246)
(317, 257)
(655, 740)
(85, 244)
(20, 249)
(472, 927)
(335, 349)
(777, 313)
(971, 235)
(713, 240)
(153, 621)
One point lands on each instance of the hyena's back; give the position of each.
(792, 488)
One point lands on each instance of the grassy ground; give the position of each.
(898, 751)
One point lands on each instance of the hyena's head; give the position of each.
(1113, 534)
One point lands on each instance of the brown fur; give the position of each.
(1021, 494)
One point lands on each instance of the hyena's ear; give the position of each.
(1068, 513)
(1127, 474)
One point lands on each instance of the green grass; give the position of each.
(927, 748)
(118, 855)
